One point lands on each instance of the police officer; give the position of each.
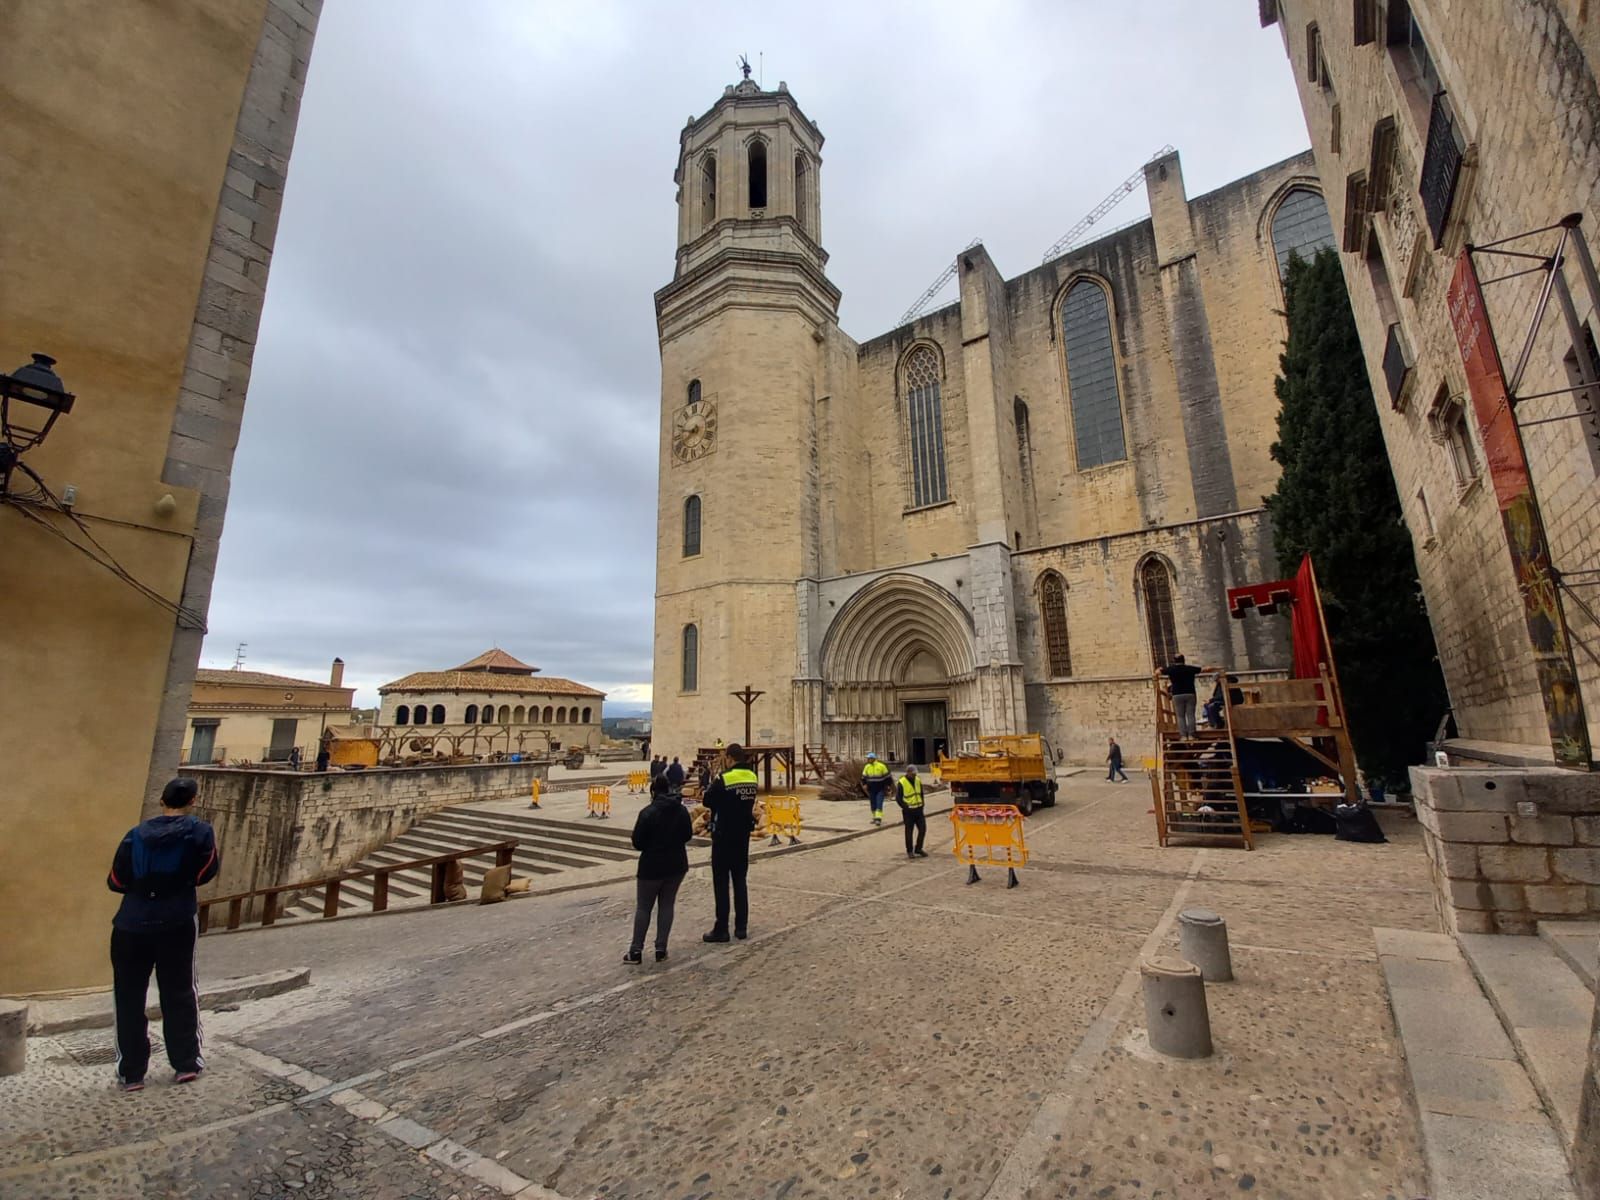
(732, 801)
(875, 778)
(908, 791)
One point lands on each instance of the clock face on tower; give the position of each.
(694, 431)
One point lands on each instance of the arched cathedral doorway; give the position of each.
(899, 672)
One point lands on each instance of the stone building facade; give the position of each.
(999, 517)
(496, 690)
(143, 158)
(1505, 92)
(252, 716)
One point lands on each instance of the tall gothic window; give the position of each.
(691, 659)
(1092, 375)
(921, 384)
(758, 174)
(1053, 606)
(708, 190)
(800, 197)
(1301, 226)
(1155, 582)
(691, 526)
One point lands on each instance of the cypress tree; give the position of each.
(1336, 501)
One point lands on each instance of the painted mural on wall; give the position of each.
(1519, 515)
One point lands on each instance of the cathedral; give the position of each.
(1001, 517)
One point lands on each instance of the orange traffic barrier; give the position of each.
(533, 793)
(990, 834)
(599, 801)
(782, 818)
(638, 781)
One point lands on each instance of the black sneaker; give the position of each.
(715, 936)
(633, 958)
(921, 853)
(661, 956)
(741, 934)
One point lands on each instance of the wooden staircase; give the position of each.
(1198, 793)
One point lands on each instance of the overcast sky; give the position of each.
(450, 435)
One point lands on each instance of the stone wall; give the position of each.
(277, 827)
(1519, 75)
(1509, 848)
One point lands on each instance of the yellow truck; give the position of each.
(1013, 768)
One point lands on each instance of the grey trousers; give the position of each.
(1184, 706)
(662, 895)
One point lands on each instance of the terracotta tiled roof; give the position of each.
(487, 681)
(207, 675)
(497, 660)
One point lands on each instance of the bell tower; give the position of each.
(744, 328)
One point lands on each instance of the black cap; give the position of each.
(179, 793)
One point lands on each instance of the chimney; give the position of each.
(336, 676)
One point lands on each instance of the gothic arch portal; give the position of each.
(899, 671)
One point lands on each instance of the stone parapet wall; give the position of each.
(1510, 847)
(278, 827)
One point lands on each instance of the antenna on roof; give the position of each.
(238, 656)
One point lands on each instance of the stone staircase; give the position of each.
(1495, 1034)
(545, 847)
(1543, 990)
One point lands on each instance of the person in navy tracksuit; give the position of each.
(157, 868)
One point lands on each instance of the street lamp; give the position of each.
(32, 386)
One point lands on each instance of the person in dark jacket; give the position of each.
(157, 868)
(660, 833)
(1114, 762)
(657, 766)
(731, 797)
(675, 774)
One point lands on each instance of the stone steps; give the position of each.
(1578, 945)
(1546, 1011)
(1485, 1133)
(545, 847)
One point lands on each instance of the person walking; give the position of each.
(1114, 758)
(157, 867)
(875, 778)
(657, 766)
(1180, 682)
(732, 801)
(660, 834)
(908, 791)
(675, 774)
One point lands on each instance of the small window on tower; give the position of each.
(758, 174)
(800, 198)
(708, 190)
(694, 391)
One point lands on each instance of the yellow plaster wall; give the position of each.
(119, 119)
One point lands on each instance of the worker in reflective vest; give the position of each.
(732, 801)
(875, 778)
(912, 818)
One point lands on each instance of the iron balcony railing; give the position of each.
(1441, 167)
(217, 756)
(1396, 364)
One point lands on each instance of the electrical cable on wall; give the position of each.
(41, 496)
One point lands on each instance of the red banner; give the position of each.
(1520, 517)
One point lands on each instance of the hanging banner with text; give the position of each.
(1519, 515)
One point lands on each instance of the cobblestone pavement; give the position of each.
(886, 1032)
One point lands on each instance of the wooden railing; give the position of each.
(439, 865)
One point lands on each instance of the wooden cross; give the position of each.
(749, 697)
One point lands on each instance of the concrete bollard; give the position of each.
(1203, 940)
(13, 1036)
(1175, 1008)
